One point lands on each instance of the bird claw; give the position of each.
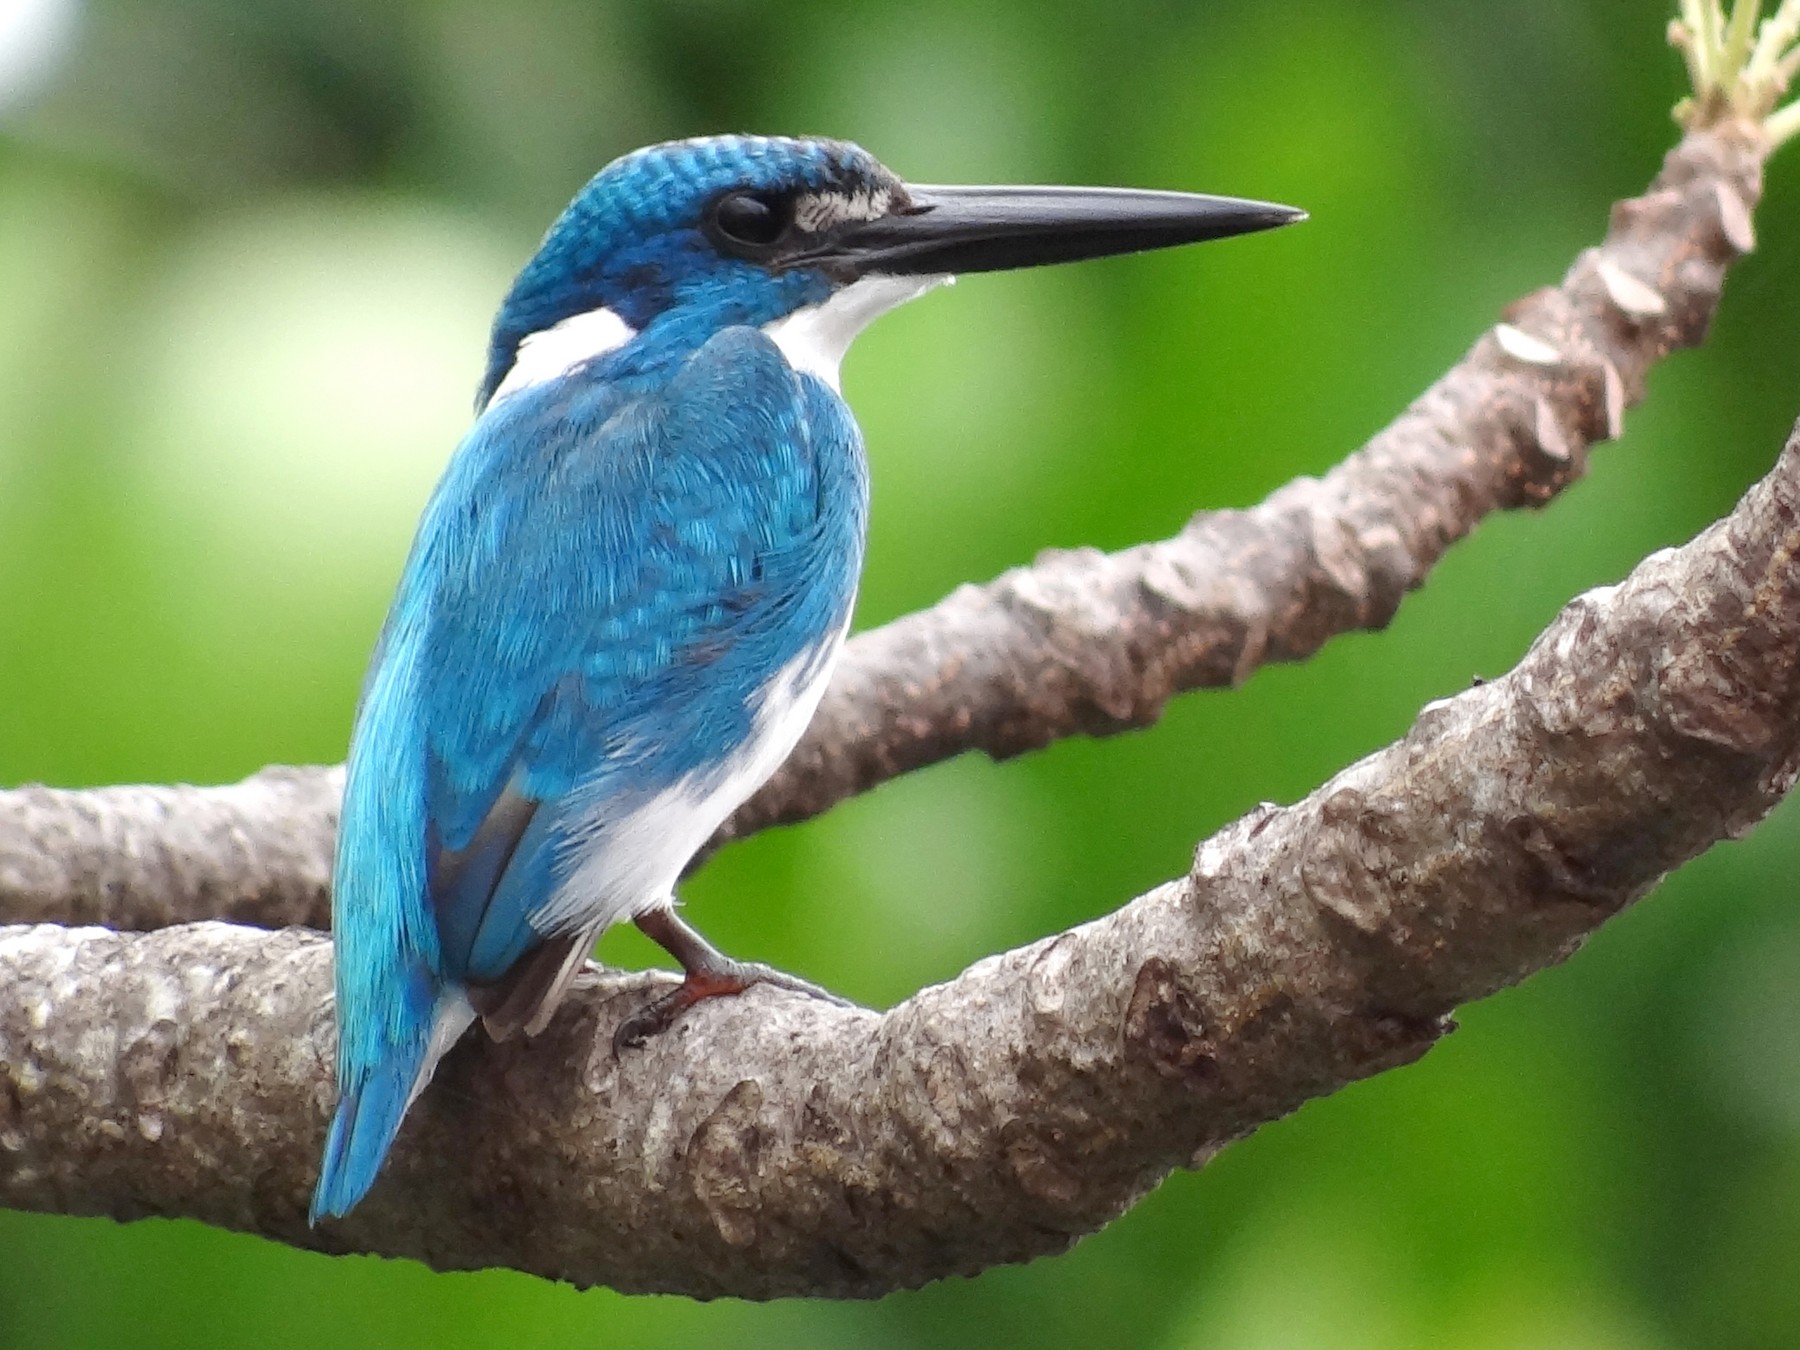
(728, 977)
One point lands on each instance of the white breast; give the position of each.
(617, 867)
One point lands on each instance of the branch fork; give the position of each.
(772, 1144)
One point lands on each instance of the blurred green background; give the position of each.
(248, 253)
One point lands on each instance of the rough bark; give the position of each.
(1080, 642)
(147, 856)
(777, 1145)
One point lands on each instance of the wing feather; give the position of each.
(611, 572)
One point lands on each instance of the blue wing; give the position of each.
(606, 574)
(612, 587)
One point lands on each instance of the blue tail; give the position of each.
(373, 1099)
(368, 1117)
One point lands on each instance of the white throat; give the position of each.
(815, 339)
(561, 347)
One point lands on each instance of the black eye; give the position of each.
(752, 217)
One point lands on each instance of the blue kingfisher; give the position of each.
(626, 594)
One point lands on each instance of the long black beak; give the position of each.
(988, 229)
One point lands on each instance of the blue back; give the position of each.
(609, 569)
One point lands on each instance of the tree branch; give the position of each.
(1078, 643)
(144, 856)
(822, 1150)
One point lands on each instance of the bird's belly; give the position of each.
(620, 862)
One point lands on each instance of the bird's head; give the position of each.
(808, 239)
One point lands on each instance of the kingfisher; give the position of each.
(625, 596)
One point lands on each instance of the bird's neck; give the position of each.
(815, 338)
(812, 338)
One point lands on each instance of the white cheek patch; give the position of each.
(559, 349)
(815, 339)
